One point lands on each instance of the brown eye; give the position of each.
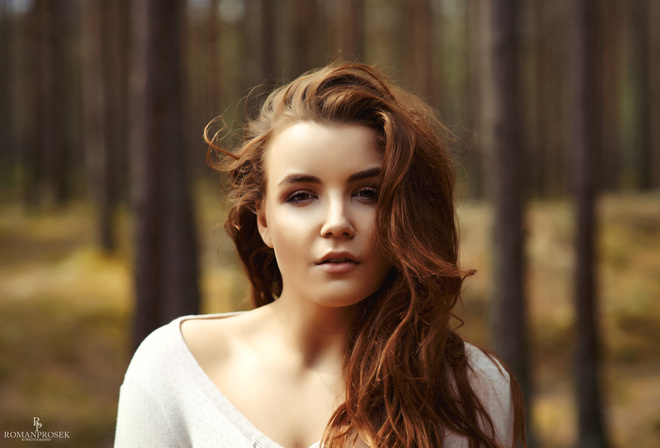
(299, 197)
(367, 194)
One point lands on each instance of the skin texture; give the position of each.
(281, 364)
(318, 205)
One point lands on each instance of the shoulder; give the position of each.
(487, 376)
(155, 350)
(485, 367)
(492, 384)
(211, 338)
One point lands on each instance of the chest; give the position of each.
(291, 408)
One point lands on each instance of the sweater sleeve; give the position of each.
(140, 422)
(492, 385)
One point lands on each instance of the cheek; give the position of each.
(290, 236)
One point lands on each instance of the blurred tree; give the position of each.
(640, 38)
(214, 94)
(116, 25)
(548, 160)
(349, 23)
(58, 159)
(654, 87)
(611, 30)
(166, 261)
(506, 187)
(8, 112)
(586, 107)
(37, 92)
(418, 47)
(261, 50)
(308, 36)
(477, 72)
(99, 102)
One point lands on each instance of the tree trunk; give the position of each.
(639, 46)
(509, 306)
(308, 36)
(8, 111)
(586, 85)
(35, 130)
(261, 51)
(478, 74)
(611, 32)
(654, 87)
(214, 94)
(59, 158)
(349, 29)
(98, 153)
(116, 44)
(166, 266)
(418, 38)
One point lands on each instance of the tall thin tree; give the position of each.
(641, 65)
(98, 153)
(349, 28)
(8, 111)
(418, 39)
(506, 185)
(586, 85)
(166, 264)
(654, 87)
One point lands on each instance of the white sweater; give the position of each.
(167, 400)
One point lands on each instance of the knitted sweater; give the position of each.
(167, 400)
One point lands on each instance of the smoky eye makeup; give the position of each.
(299, 197)
(367, 194)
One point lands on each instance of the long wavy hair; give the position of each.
(406, 369)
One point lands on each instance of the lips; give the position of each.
(337, 263)
(337, 258)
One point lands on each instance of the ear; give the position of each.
(262, 225)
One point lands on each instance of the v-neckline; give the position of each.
(225, 406)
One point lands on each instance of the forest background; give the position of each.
(110, 219)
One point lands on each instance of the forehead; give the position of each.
(321, 149)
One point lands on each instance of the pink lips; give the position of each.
(337, 263)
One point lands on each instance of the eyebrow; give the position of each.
(307, 178)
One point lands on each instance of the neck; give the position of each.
(318, 334)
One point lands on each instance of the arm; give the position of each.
(140, 422)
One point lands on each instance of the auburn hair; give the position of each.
(406, 369)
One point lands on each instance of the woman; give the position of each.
(343, 216)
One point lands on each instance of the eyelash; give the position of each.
(300, 196)
(373, 194)
(295, 197)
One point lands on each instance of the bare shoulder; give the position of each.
(212, 339)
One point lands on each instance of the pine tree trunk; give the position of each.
(308, 36)
(654, 87)
(418, 39)
(96, 94)
(586, 136)
(166, 265)
(349, 29)
(509, 306)
(610, 34)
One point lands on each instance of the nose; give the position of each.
(337, 222)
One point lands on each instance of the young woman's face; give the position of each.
(319, 211)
